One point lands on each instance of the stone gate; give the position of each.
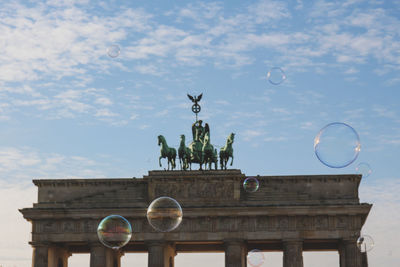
(288, 213)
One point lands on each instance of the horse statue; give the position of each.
(184, 154)
(226, 152)
(215, 159)
(207, 152)
(166, 152)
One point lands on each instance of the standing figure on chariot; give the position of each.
(198, 131)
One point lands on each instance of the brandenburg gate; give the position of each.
(288, 213)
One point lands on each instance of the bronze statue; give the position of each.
(215, 159)
(198, 131)
(195, 99)
(200, 150)
(196, 146)
(207, 152)
(195, 107)
(184, 154)
(226, 152)
(166, 152)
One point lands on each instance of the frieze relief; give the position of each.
(215, 224)
(342, 222)
(321, 222)
(191, 191)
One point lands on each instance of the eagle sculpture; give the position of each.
(195, 99)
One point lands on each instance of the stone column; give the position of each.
(342, 253)
(58, 256)
(235, 253)
(292, 253)
(352, 255)
(114, 257)
(161, 254)
(101, 256)
(40, 256)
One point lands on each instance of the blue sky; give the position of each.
(69, 110)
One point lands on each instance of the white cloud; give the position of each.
(22, 164)
(56, 42)
(250, 134)
(103, 101)
(266, 10)
(105, 113)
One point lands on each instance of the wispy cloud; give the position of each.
(23, 164)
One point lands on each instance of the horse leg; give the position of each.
(159, 161)
(232, 160)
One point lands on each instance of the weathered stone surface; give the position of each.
(318, 210)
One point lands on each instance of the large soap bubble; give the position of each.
(113, 51)
(164, 214)
(364, 169)
(365, 243)
(114, 231)
(337, 145)
(276, 76)
(255, 258)
(251, 184)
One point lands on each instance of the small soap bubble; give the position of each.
(164, 214)
(365, 243)
(255, 258)
(114, 231)
(337, 145)
(364, 169)
(251, 184)
(113, 51)
(276, 76)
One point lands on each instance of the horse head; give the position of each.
(232, 136)
(182, 137)
(160, 139)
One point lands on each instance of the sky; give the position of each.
(69, 110)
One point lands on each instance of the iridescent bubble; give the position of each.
(251, 184)
(364, 169)
(164, 214)
(114, 231)
(276, 76)
(255, 258)
(337, 145)
(113, 51)
(365, 243)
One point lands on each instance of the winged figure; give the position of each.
(195, 99)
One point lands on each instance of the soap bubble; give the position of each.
(337, 145)
(255, 258)
(365, 243)
(251, 184)
(113, 51)
(164, 214)
(364, 169)
(276, 76)
(114, 231)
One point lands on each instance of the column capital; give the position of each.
(293, 240)
(94, 244)
(159, 243)
(234, 241)
(39, 244)
(349, 240)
